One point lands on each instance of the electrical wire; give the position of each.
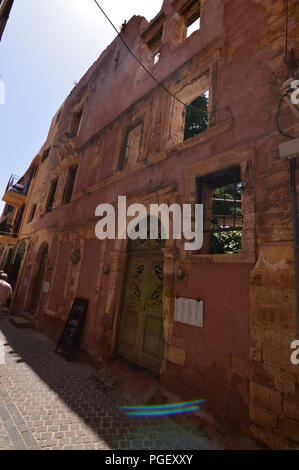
(227, 108)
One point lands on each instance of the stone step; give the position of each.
(19, 322)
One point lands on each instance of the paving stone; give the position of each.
(48, 403)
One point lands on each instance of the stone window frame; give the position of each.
(187, 91)
(52, 195)
(152, 37)
(74, 127)
(186, 11)
(123, 161)
(68, 183)
(244, 158)
(32, 213)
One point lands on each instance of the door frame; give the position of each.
(119, 262)
(130, 256)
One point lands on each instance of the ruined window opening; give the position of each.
(76, 121)
(32, 213)
(51, 197)
(157, 57)
(221, 195)
(69, 187)
(197, 116)
(130, 153)
(188, 19)
(193, 25)
(46, 154)
(155, 45)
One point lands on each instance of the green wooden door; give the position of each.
(140, 337)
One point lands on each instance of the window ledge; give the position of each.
(224, 259)
(201, 138)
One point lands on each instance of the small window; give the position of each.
(197, 115)
(69, 187)
(46, 154)
(7, 209)
(51, 197)
(155, 45)
(221, 195)
(157, 57)
(32, 213)
(76, 121)
(188, 19)
(193, 25)
(131, 147)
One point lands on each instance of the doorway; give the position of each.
(37, 281)
(140, 338)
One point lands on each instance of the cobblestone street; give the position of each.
(48, 403)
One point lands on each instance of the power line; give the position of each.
(147, 70)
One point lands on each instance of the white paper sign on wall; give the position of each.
(189, 311)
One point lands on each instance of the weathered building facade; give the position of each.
(121, 134)
(5, 8)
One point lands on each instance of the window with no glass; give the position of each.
(70, 183)
(32, 213)
(154, 45)
(197, 116)
(76, 121)
(221, 195)
(188, 20)
(130, 153)
(51, 197)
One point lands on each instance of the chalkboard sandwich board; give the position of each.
(70, 334)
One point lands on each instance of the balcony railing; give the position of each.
(16, 190)
(16, 185)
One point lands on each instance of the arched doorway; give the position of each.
(20, 251)
(37, 281)
(140, 338)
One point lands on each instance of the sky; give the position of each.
(47, 46)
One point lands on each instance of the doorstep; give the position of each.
(20, 322)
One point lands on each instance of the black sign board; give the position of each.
(72, 328)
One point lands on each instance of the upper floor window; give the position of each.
(51, 196)
(70, 183)
(32, 213)
(76, 121)
(221, 195)
(152, 37)
(155, 45)
(130, 153)
(197, 115)
(189, 19)
(46, 154)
